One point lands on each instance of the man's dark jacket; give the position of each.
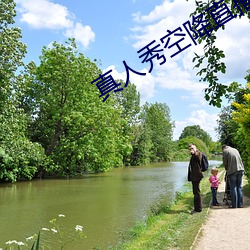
(194, 169)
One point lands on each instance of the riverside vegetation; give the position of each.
(52, 237)
(171, 226)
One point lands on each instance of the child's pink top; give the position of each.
(214, 181)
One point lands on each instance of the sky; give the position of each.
(112, 31)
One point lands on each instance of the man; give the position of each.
(235, 170)
(195, 175)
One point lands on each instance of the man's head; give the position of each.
(192, 148)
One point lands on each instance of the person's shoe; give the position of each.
(194, 212)
(231, 206)
(241, 206)
(217, 204)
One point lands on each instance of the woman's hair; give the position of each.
(214, 170)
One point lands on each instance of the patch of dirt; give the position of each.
(225, 228)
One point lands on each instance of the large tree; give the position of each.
(184, 142)
(19, 157)
(78, 131)
(156, 120)
(128, 101)
(196, 131)
(12, 51)
(241, 115)
(229, 130)
(227, 127)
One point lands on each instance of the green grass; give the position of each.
(170, 226)
(246, 188)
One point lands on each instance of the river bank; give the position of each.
(173, 227)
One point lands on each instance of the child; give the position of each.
(214, 185)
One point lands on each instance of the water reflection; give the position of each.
(105, 204)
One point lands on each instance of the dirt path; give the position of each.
(225, 228)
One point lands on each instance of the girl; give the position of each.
(214, 185)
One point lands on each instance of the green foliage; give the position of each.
(233, 123)
(181, 154)
(53, 237)
(196, 131)
(215, 147)
(241, 116)
(227, 127)
(12, 50)
(212, 58)
(142, 145)
(201, 146)
(157, 123)
(78, 131)
(128, 101)
(20, 158)
(36, 243)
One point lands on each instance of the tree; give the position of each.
(241, 116)
(20, 158)
(142, 145)
(196, 131)
(78, 131)
(128, 101)
(227, 127)
(215, 148)
(211, 59)
(12, 50)
(156, 120)
(229, 130)
(183, 144)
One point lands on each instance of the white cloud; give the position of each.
(173, 76)
(44, 14)
(83, 34)
(208, 122)
(178, 72)
(235, 40)
(164, 11)
(169, 15)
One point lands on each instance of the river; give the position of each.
(104, 204)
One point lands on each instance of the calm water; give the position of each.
(104, 204)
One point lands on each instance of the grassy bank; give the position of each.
(170, 227)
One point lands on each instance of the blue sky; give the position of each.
(112, 31)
